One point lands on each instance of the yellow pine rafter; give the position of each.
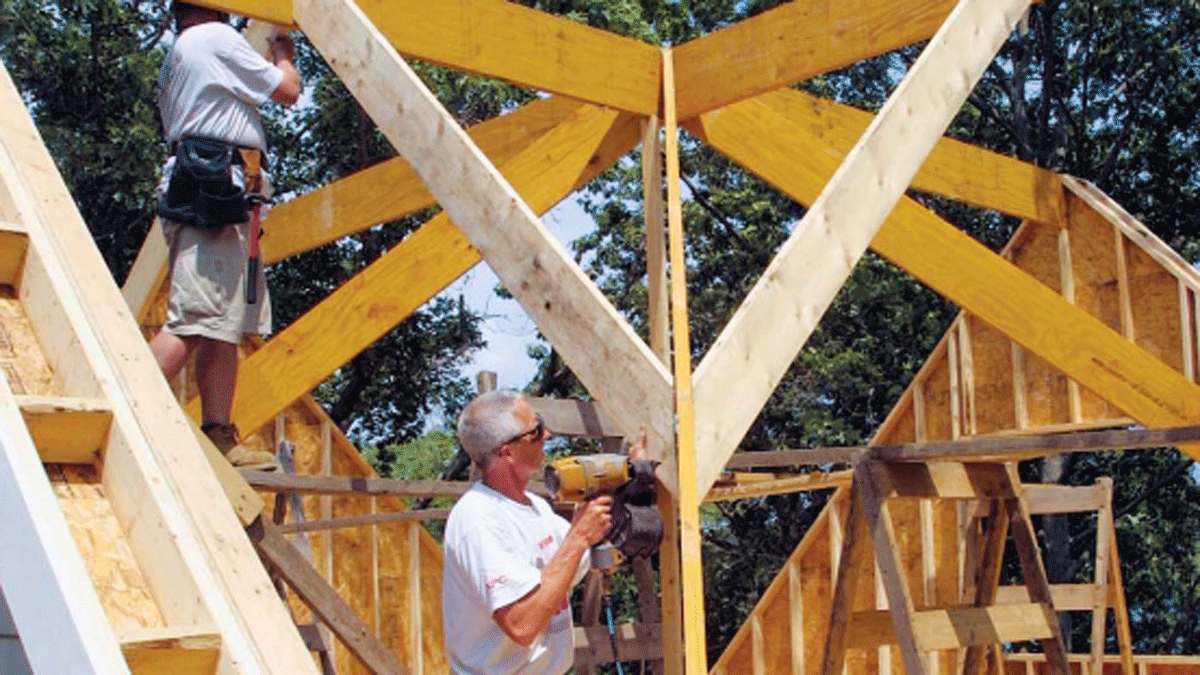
(507, 41)
(793, 42)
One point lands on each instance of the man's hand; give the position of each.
(282, 48)
(593, 518)
(637, 449)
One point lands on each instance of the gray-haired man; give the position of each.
(510, 561)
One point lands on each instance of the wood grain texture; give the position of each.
(601, 348)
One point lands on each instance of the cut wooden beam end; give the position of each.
(67, 430)
(14, 243)
(189, 650)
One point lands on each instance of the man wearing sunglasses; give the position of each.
(510, 561)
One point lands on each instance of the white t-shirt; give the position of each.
(211, 85)
(495, 549)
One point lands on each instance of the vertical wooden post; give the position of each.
(414, 596)
(688, 502)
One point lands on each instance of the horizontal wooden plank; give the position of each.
(1041, 498)
(507, 41)
(178, 651)
(792, 42)
(67, 430)
(575, 419)
(721, 491)
(372, 519)
(359, 485)
(952, 628)
(944, 480)
(1067, 597)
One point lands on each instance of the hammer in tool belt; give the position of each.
(252, 165)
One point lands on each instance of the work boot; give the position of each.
(225, 437)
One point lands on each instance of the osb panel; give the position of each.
(992, 359)
(20, 353)
(1094, 260)
(1046, 388)
(816, 589)
(937, 402)
(1154, 299)
(114, 571)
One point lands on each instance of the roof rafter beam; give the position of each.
(748, 359)
(596, 342)
(507, 41)
(793, 42)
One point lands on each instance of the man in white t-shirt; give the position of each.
(211, 86)
(510, 561)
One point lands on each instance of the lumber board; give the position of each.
(14, 241)
(794, 41)
(942, 480)
(599, 346)
(953, 169)
(48, 592)
(983, 283)
(952, 628)
(635, 642)
(759, 343)
(66, 430)
(179, 651)
(687, 496)
(321, 598)
(364, 486)
(375, 300)
(575, 419)
(391, 189)
(657, 297)
(159, 484)
(507, 41)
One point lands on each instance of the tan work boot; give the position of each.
(225, 437)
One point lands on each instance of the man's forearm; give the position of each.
(526, 618)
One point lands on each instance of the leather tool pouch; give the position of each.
(201, 191)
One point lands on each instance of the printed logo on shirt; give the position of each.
(546, 542)
(502, 579)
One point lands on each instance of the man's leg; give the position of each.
(171, 352)
(216, 378)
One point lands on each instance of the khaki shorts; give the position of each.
(208, 276)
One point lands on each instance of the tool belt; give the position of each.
(201, 192)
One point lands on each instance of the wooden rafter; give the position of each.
(505, 40)
(748, 359)
(793, 42)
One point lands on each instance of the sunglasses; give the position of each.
(537, 431)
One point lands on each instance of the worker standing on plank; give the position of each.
(211, 85)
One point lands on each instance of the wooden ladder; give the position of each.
(918, 632)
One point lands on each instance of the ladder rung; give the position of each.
(955, 627)
(66, 430)
(14, 243)
(946, 480)
(189, 650)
